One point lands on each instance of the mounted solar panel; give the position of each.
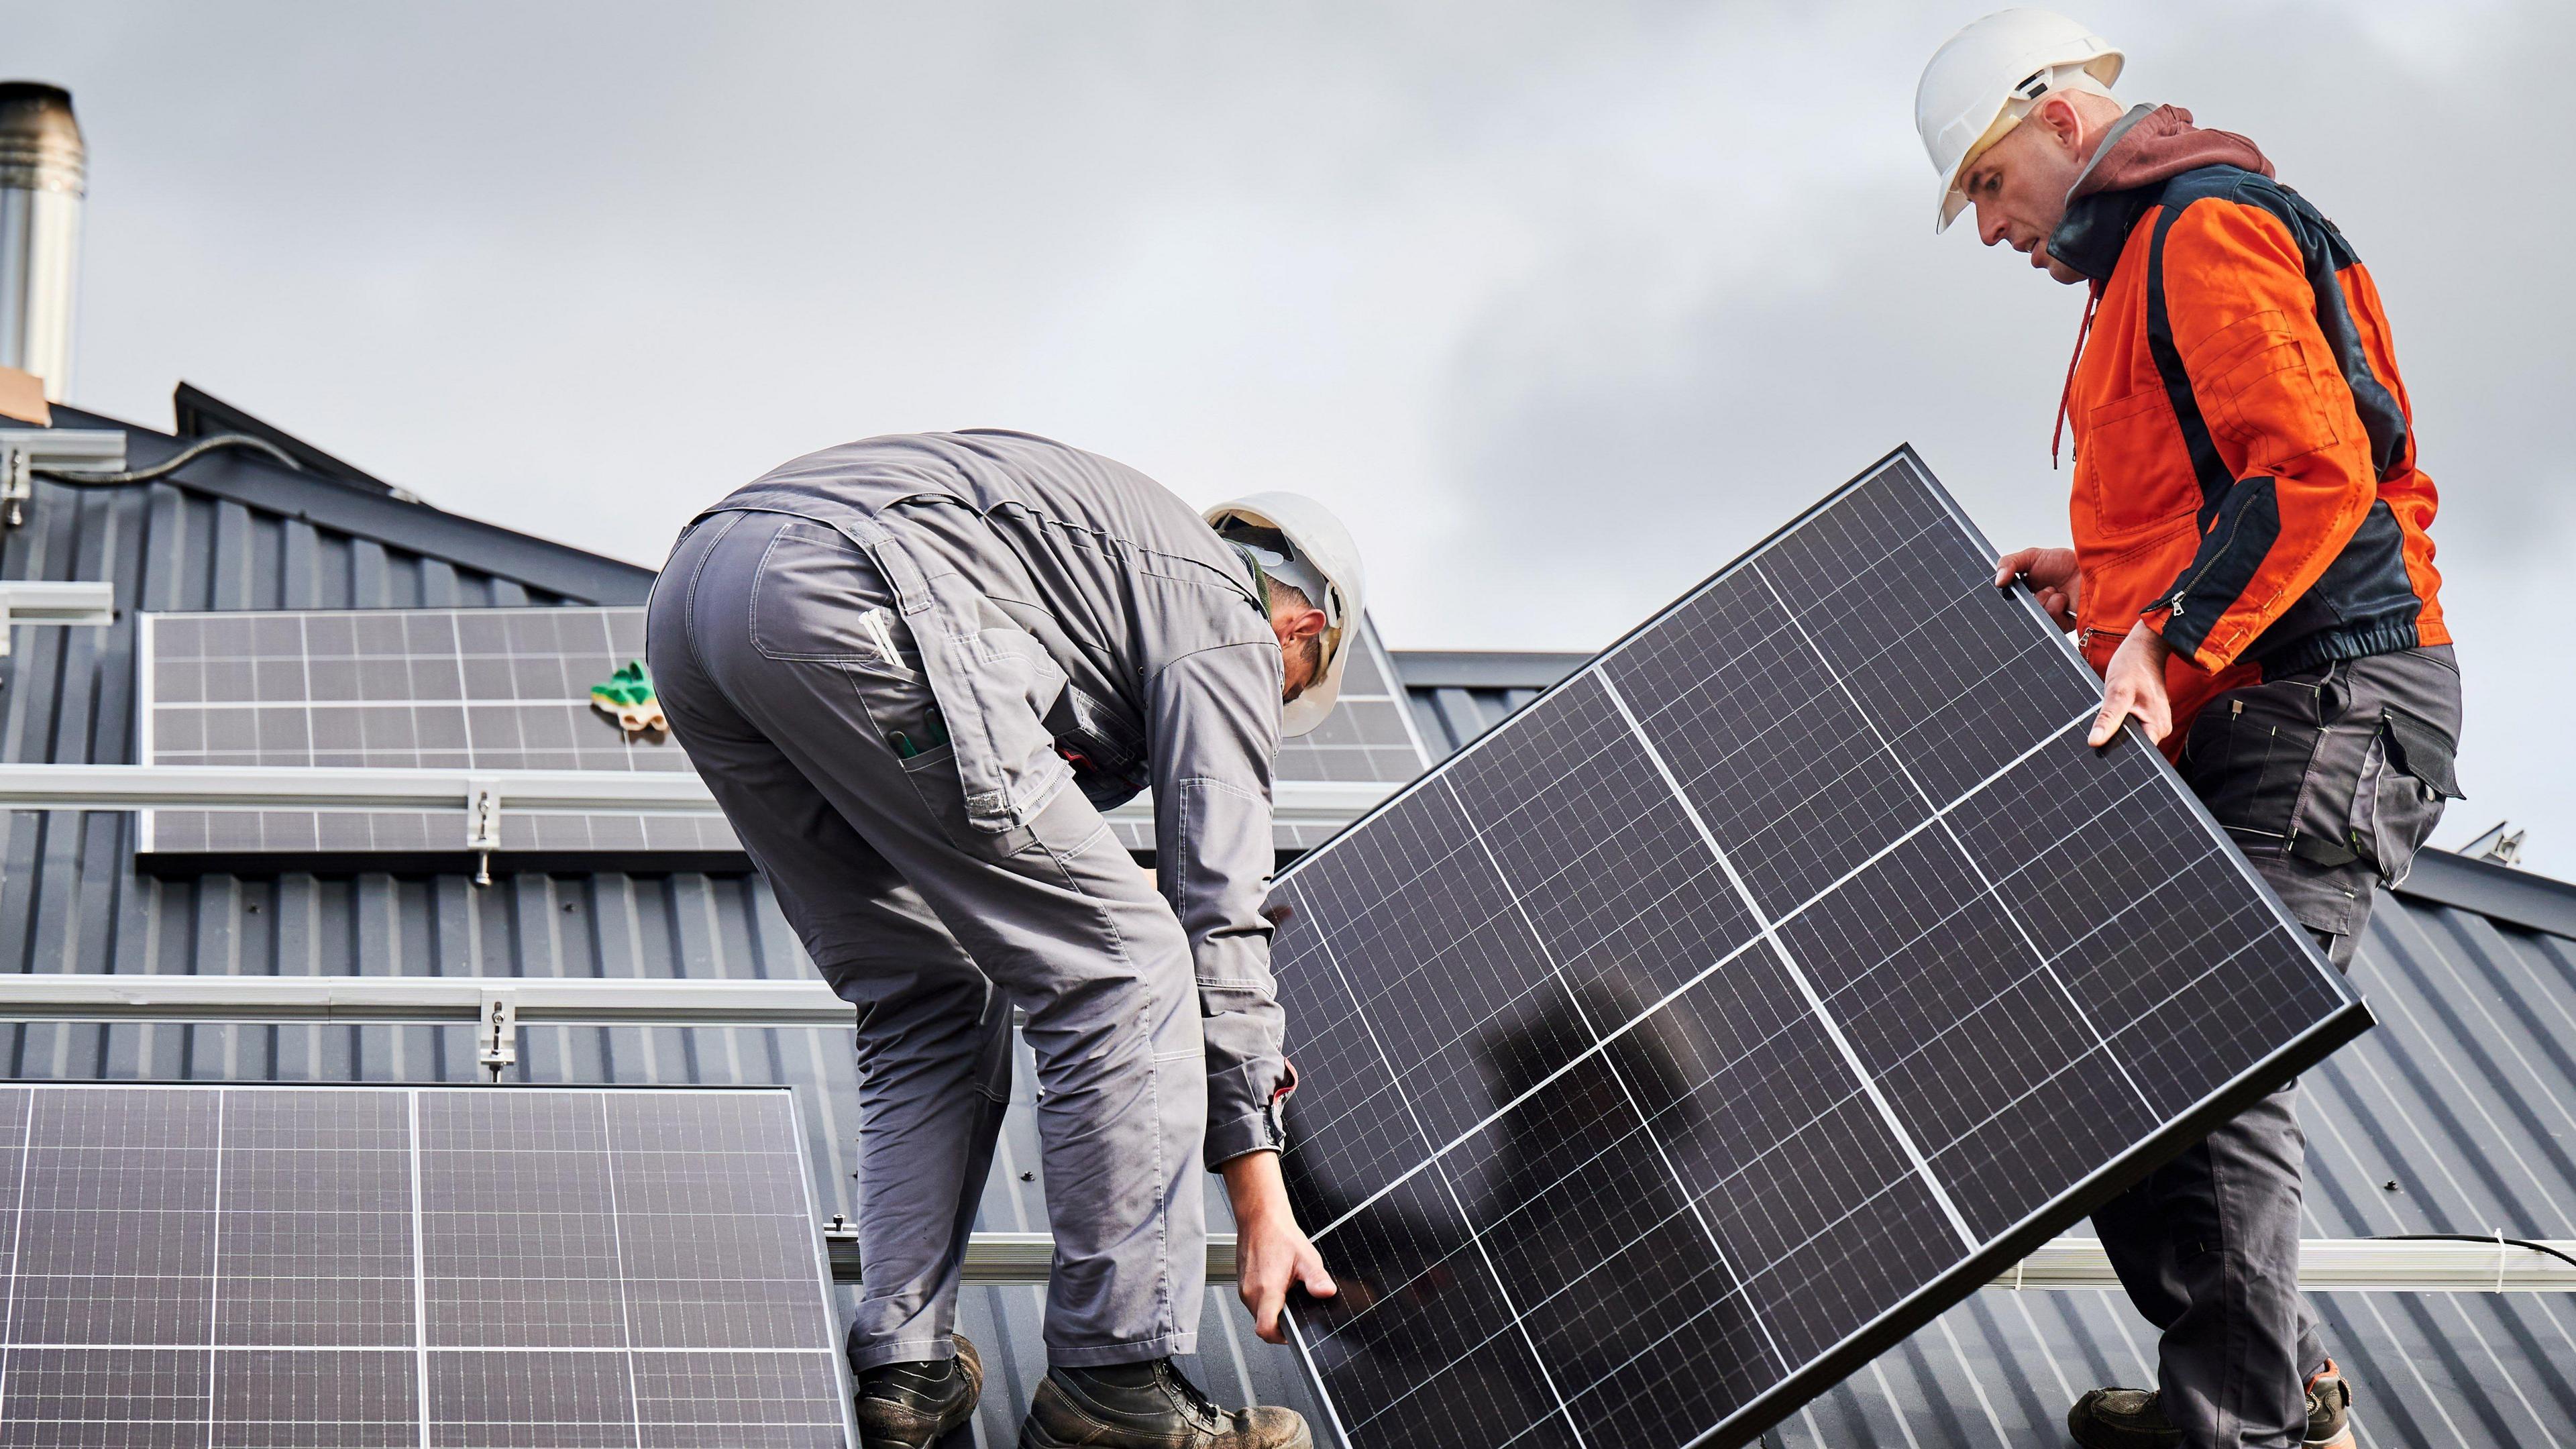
(471, 689)
(373, 1266)
(1754, 995)
(509, 689)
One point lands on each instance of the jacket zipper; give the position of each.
(2173, 600)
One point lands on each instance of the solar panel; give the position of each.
(509, 689)
(351, 1267)
(1752, 996)
(478, 689)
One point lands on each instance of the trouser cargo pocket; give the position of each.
(2331, 778)
(2405, 779)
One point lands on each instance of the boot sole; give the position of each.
(1033, 1435)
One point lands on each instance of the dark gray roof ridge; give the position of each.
(245, 477)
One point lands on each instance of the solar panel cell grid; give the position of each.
(1752, 995)
(509, 689)
(244, 1266)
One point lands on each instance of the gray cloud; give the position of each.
(1564, 304)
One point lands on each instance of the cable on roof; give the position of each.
(174, 462)
(2490, 1238)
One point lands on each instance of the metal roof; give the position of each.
(2464, 1098)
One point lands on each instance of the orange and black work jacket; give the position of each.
(2245, 478)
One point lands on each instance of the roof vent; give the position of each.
(44, 172)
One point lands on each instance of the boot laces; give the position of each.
(1191, 1396)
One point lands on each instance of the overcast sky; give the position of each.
(1561, 304)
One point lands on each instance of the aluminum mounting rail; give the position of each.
(2329, 1265)
(2341, 1265)
(497, 1006)
(199, 787)
(535, 1000)
(1004, 1258)
(39, 601)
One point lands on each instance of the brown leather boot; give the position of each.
(1147, 1406)
(909, 1405)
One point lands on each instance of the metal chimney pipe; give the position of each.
(44, 172)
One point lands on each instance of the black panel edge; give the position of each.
(2228, 849)
(1954, 1287)
(1902, 452)
(1330, 1432)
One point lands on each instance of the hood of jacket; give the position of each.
(2148, 145)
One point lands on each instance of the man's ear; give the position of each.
(1308, 624)
(2064, 122)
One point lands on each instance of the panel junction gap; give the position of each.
(1798, 974)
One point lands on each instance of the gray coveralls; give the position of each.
(2330, 778)
(913, 671)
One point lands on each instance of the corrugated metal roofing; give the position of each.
(2465, 1097)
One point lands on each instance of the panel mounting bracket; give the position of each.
(483, 824)
(36, 601)
(63, 450)
(496, 1039)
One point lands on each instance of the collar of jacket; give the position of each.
(2096, 224)
(2141, 151)
(1259, 598)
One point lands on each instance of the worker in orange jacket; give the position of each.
(2253, 576)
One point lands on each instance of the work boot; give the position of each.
(2329, 1409)
(909, 1405)
(1147, 1406)
(2121, 1419)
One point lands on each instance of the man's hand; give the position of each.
(1271, 1253)
(2051, 574)
(2135, 685)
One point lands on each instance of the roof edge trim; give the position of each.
(2500, 893)
(542, 563)
(1484, 668)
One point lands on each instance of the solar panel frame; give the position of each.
(220, 1371)
(1989, 1254)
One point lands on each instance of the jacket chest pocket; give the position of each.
(2131, 470)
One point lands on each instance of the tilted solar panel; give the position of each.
(1754, 995)
(356, 1267)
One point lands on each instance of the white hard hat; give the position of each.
(1298, 541)
(1984, 79)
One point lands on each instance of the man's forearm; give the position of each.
(1254, 1186)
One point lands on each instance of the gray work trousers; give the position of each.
(2355, 755)
(769, 639)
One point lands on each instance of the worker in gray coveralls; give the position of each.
(914, 670)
